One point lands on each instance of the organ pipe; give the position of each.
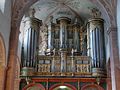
(63, 32)
(50, 35)
(30, 45)
(63, 21)
(76, 36)
(96, 47)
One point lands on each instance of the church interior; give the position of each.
(59, 45)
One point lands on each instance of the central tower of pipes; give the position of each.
(63, 21)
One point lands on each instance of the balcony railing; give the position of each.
(75, 66)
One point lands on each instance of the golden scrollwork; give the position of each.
(80, 66)
(83, 68)
(44, 67)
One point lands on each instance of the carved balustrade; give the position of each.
(51, 66)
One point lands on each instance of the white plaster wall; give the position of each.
(107, 46)
(118, 23)
(5, 24)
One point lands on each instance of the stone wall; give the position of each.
(5, 24)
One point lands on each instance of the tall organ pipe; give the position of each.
(50, 36)
(76, 37)
(63, 32)
(63, 21)
(96, 47)
(30, 44)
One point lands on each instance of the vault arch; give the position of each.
(2, 62)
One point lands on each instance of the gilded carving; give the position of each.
(79, 68)
(43, 40)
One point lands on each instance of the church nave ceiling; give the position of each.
(62, 8)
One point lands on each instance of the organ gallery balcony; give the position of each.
(78, 66)
(75, 66)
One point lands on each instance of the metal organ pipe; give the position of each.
(63, 32)
(95, 29)
(63, 21)
(30, 43)
(76, 37)
(50, 36)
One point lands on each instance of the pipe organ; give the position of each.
(71, 51)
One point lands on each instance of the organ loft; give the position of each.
(73, 49)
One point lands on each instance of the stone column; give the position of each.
(96, 45)
(114, 58)
(109, 85)
(2, 78)
(10, 72)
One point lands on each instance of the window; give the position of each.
(2, 5)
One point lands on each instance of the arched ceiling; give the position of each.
(59, 8)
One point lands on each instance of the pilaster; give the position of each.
(114, 58)
(12, 59)
(10, 74)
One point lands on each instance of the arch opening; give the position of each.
(2, 63)
(92, 87)
(33, 86)
(62, 87)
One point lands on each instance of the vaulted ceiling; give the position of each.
(59, 8)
